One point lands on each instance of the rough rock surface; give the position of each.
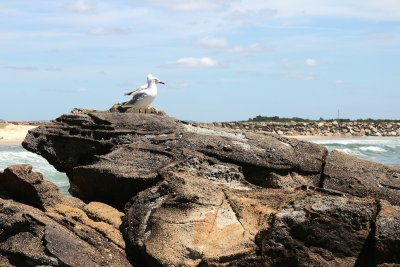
(197, 196)
(51, 229)
(111, 156)
(361, 177)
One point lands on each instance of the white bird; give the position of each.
(144, 94)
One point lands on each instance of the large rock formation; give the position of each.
(110, 157)
(198, 196)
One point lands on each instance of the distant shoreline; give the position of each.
(316, 128)
(14, 133)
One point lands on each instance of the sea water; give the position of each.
(383, 150)
(15, 154)
(379, 149)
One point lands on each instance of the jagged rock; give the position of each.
(197, 195)
(104, 154)
(51, 229)
(361, 177)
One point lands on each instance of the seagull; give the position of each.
(144, 94)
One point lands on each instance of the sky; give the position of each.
(221, 60)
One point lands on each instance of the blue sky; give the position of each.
(222, 60)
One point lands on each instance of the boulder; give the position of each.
(41, 227)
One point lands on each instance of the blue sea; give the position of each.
(14, 154)
(379, 149)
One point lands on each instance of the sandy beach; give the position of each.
(13, 133)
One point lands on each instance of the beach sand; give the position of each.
(11, 134)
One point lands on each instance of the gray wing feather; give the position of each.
(140, 88)
(136, 97)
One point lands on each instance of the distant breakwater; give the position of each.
(318, 128)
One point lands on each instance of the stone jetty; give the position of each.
(317, 128)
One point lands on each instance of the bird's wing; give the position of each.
(136, 97)
(140, 88)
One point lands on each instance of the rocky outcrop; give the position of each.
(41, 227)
(203, 196)
(110, 157)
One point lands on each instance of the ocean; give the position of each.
(14, 154)
(379, 149)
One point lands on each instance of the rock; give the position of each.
(109, 157)
(387, 236)
(361, 177)
(195, 219)
(199, 195)
(319, 230)
(51, 229)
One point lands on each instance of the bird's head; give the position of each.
(152, 78)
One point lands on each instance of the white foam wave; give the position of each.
(349, 151)
(372, 148)
(393, 142)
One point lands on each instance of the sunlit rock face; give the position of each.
(203, 196)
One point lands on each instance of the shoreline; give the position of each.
(14, 134)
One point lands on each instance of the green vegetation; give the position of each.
(277, 119)
(260, 118)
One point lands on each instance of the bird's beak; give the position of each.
(161, 82)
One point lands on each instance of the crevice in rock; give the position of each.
(367, 257)
(323, 176)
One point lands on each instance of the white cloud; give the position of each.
(213, 42)
(253, 48)
(101, 31)
(82, 7)
(190, 5)
(222, 43)
(339, 82)
(195, 62)
(307, 76)
(311, 62)
(304, 9)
